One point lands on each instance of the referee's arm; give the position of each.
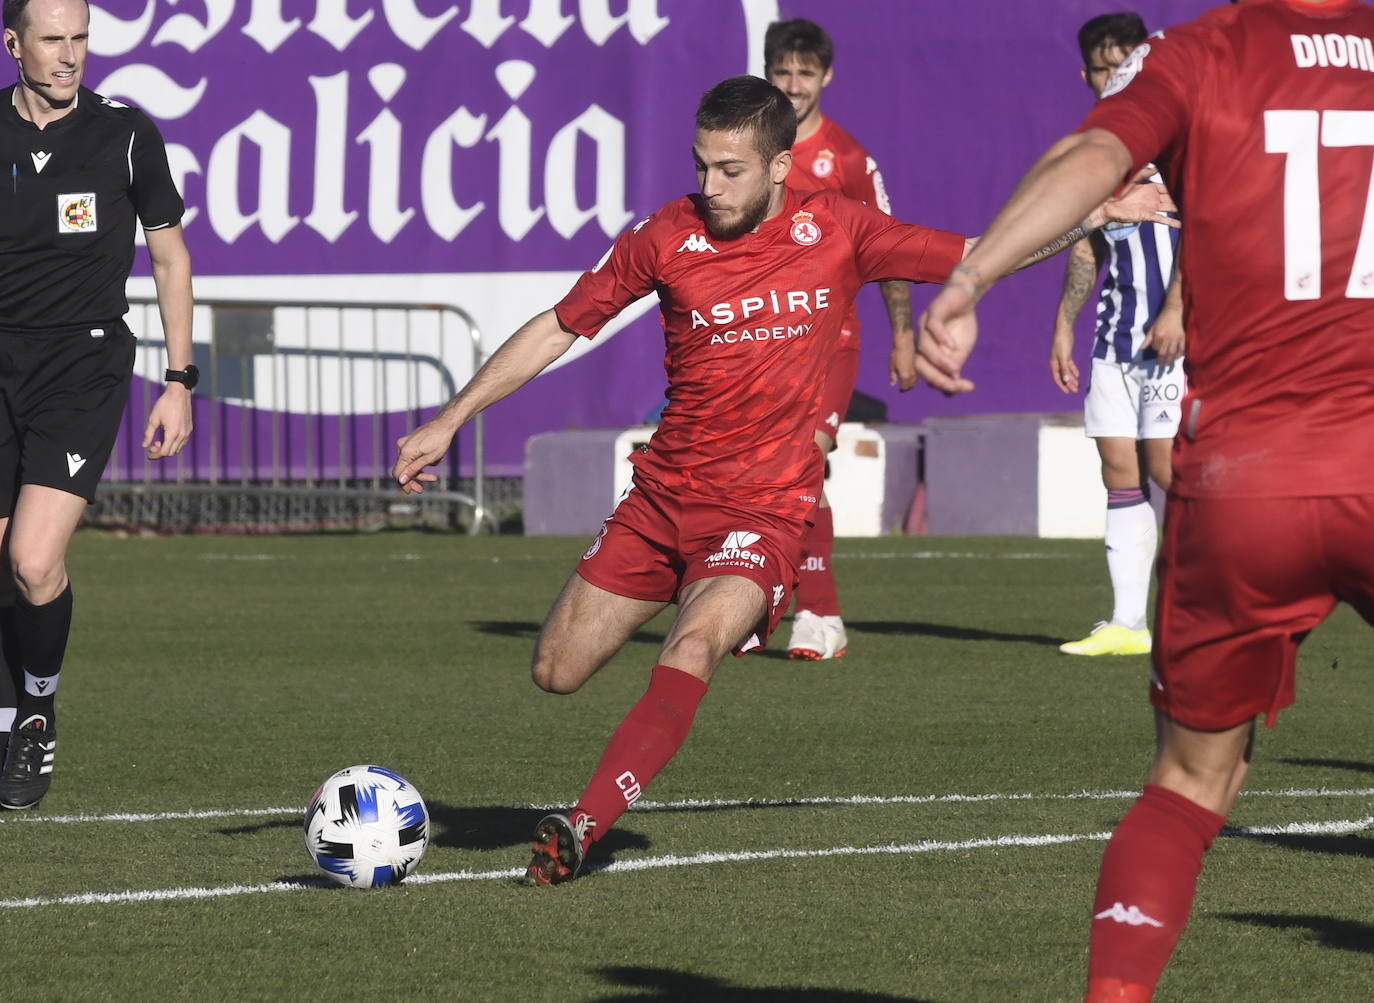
(172, 276)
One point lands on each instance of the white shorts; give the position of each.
(1133, 400)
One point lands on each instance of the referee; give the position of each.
(79, 172)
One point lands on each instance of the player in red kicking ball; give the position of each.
(1263, 114)
(798, 55)
(754, 280)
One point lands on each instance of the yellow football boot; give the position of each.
(1110, 639)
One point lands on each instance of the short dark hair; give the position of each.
(799, 36)
(750, 103)
(17, 14)
(1125, 30)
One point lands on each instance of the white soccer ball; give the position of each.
(366, 826)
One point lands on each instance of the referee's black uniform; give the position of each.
(73, 193)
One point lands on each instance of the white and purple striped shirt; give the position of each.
(1140, 263)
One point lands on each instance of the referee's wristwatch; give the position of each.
(187, 377)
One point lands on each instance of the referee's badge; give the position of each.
(76, 213)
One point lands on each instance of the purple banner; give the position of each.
(483, 153)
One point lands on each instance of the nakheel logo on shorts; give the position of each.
(735, 552)
(76, 213)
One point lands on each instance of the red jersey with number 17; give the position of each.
(750, 324)
(1263, 114)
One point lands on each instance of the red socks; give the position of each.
(816, 582)
(1145, 892)
(646, 740)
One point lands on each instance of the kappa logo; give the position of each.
(804, 229)
(75, 461)
(696, 242)
(76, 213)
(40, 161)
(1131, 916)
(778, 592)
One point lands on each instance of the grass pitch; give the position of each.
(921, 820)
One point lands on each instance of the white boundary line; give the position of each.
(668, 860)
(689, 803)
(854, 555)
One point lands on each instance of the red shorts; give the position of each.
(839, 380)
(655, 543)
(1241, 582)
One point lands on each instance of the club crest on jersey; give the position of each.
(76, 213)
(824, 165)
(804, 229)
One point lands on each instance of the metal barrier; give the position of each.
(296, 416)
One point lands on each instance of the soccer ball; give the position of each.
(366, 826)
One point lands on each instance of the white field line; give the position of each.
(892, 555)
(669, 860)
(690, 803)
(953, 555)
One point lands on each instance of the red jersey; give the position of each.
(750, 325)
(1263, 115)
(832, 158)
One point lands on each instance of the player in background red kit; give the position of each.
(1264, 115)
(798, 55)
(754, 280)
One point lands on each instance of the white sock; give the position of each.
(1131, 538)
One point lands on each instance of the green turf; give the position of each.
(236, 673)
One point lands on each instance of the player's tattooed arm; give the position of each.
(1079, 232)
(1079, 278)
(901, 369)
(897, 296)
(1056, 245)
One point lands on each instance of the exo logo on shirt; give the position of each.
(76, 213)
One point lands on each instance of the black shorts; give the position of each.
(62, 395)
